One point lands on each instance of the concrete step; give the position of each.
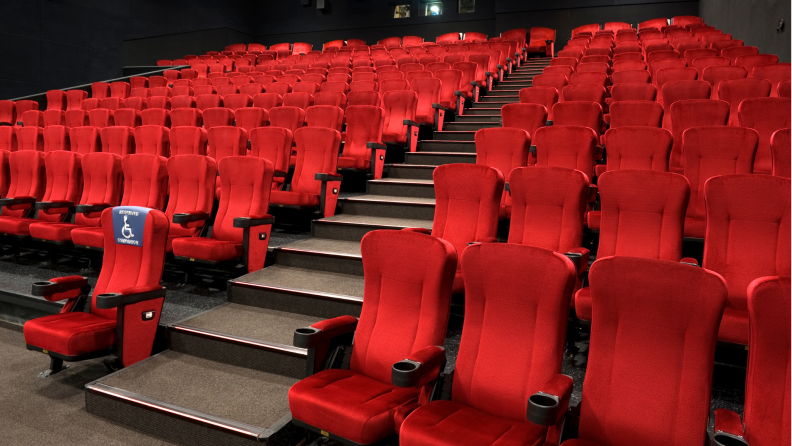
(483, 111)
(478, 118)
(444, 146)
(388, 206)
(454, 135)
(411, 171)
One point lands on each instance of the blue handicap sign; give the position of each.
(128, 224)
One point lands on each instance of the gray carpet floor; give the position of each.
(36, 411)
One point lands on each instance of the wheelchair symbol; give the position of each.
(126, 229)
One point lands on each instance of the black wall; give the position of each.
(754, 22)
(60, 43)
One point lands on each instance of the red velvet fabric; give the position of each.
(734, 91)
(566, 146)
(71, 334)
(505, 149)
(747, 218)
(546, 96)
(766, 116)
(528, 117)
(191, 180)
(364, 124)
(654, 321)
(26, 179)
(779, 147)
(635, 113)
(638, 148)
(689, 113)
(711, 151)
(188, 140)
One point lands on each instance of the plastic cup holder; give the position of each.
(543, 401)
(47, 283)
(405, 366)
(307, 330)
(722, 439)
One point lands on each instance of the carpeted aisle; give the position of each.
(36, 411)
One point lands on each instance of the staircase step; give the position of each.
(470, 125)
(493, 104)
(478, 118)
(191, 400)
(454, 135)
(388, 206)
(334, 256)
(506, 91)
(412, 171)
(448, 146)
(492, 97)
(401, 187)
(317, 293)
(354, 227)
(439, 158)
(482, 111)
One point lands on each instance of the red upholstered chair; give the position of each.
(637, 148)
(363, 149)
(273, 144)
(145, 185)
(766, 116)
(85, 140)
(734, 91)
(428, 90)
(27, 170)
(545, 96)
(56, 137)
(74, 98)
(451, 83)
(328, 116)
(634, 113)
(127, 117)
(555, 80)
(226, 141)
(119, 90)
(152, 139)
(582, 113)
(182, 101)
(480, 188)
(100, 90)
(217, 116)
(780, 151)
(186, 117)
(335, 98)
(118, 140)
(541, 40)
(242, 226)
(767, 396)
(250, 117)
(315, 183)
(548, 209)
(747, 237)
(689, 113)
(100, 118)
(102, 179)
(188, 140)
(155, 116)
(365, 404)
(505, 149)
(54, 117)
(711, 151)
(372, 98)
(32, 118)
(400, 126)
(643, 215)
(479, 411)
(674, 91)
(632, 77)
(125, 308)
(237, 101)
(632, 298)
(775, 73)
(267, 100)
(714, 76)
(588, 93)
(569, 146)
(297, 99)
(191, 182)
(528, 117)
(30, 138)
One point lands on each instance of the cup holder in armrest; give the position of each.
(108, 300)
(302, 336)
(404, 373)
(724, 439)
(543, 409)
(41, 288)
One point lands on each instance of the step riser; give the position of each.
(459, 147)
(494, 119)
(502, 99)
(482, 111)
(401, 190)
(318, 262)
(438, 160)
(343, 232)
(490, 104)
(453, 136)
(240, 355)
(461, 126)
(393, 210)
(310, 305)
(410, 173)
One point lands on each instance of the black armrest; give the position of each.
(49, 288)
(458, 93)
(474, 83)
(114, 300)
(88, 208)
(16, 201)
(507, 187)
(408, 372)
(575, 257)
(279, 174)
(376, 146)
(53, 204)
(410, 123)
(488, 73)
(188, 218)
(508, 59)
(328, 177)
(549, 122)
(500, 67)
(532, 149)
(548, 41)
(20, 123)
(247, 222)
(309, 337)
(440, 107)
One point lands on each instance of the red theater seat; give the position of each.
(363, 148)
(360, 404)
(191, 182)
(747, 237)
(400, 126)
(188, 140)
(505, 149)
(152, 139)
(118, 140)
(641, 306)
(689, 113)
(781, 154)
(766, 116)
(132, 266)
(273, 144)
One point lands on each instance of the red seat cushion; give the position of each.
(15, 225)
(450, 423)
(349, 162)
(734, 326)
(293, 198)
(71, 334)
(56, 232)
(93, 237)
(348, 404)
(695, 227)
(206, 249)
(583, 304)
(400, 138)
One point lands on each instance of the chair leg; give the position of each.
(56, 365)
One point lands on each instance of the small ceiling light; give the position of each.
(435, 9)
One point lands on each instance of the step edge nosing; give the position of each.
(264, 345)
